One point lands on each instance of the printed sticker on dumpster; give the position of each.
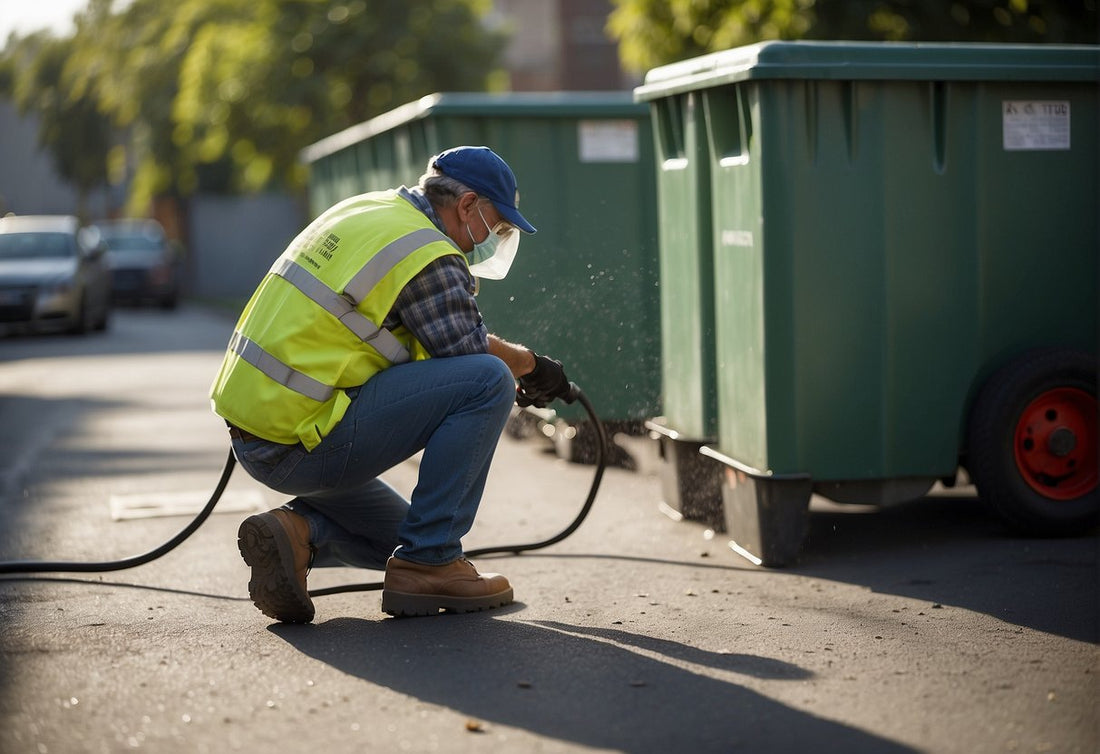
(1035, 124)
(741, 238)
(608, 140)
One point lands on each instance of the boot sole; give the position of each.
(403, 604)
(274, 588)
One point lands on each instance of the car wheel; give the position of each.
(104, 318)
(1032, 443)
(82, 323)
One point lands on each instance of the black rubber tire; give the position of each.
(104, 320)
(83, 322)
(991, 458)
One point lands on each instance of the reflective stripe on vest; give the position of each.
(342, 307)
(381, 263)
(291, 378)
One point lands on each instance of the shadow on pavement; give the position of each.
(132, 331)
(592, 687)
(98, 582)
(948, 549)
(36, 456)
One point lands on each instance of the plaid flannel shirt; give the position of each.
(438, 305)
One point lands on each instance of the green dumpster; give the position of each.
(904, 265)
(584, 288)
(690, 482)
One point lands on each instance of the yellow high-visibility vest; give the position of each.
(312, 328)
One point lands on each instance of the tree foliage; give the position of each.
(331, 65)
(221, 95)
(1003, 21)
(655, 32)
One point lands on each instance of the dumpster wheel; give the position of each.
(1032, 443)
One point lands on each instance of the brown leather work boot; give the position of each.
(415, 589)
(276, 546)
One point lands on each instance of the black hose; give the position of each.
(47, 566)
(601, 464)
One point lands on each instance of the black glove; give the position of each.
(543, 384)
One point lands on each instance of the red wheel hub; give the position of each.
(1055, 443)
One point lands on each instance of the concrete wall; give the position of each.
(234, 240)
(29, 185)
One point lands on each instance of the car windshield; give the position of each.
(134, 241)
(42, 245)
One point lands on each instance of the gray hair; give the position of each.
(441, 190)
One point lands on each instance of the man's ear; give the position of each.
(467, 206)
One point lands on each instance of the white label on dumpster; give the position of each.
(742, 238)
(608, 140)
(1035, 124)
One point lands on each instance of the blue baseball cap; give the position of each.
(482, 170)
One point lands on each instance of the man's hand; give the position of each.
(545, 383)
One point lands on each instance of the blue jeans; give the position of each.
(453, 409)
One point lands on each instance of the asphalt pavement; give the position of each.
(919, 628)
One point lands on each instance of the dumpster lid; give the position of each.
(874, 60)
(611, 104)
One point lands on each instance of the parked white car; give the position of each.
(53, 275)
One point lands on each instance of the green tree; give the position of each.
(654, 32)
(221, 95)
(130, 63)
(1003, 21)
(268, 77)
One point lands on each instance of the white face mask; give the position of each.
(492, 258)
